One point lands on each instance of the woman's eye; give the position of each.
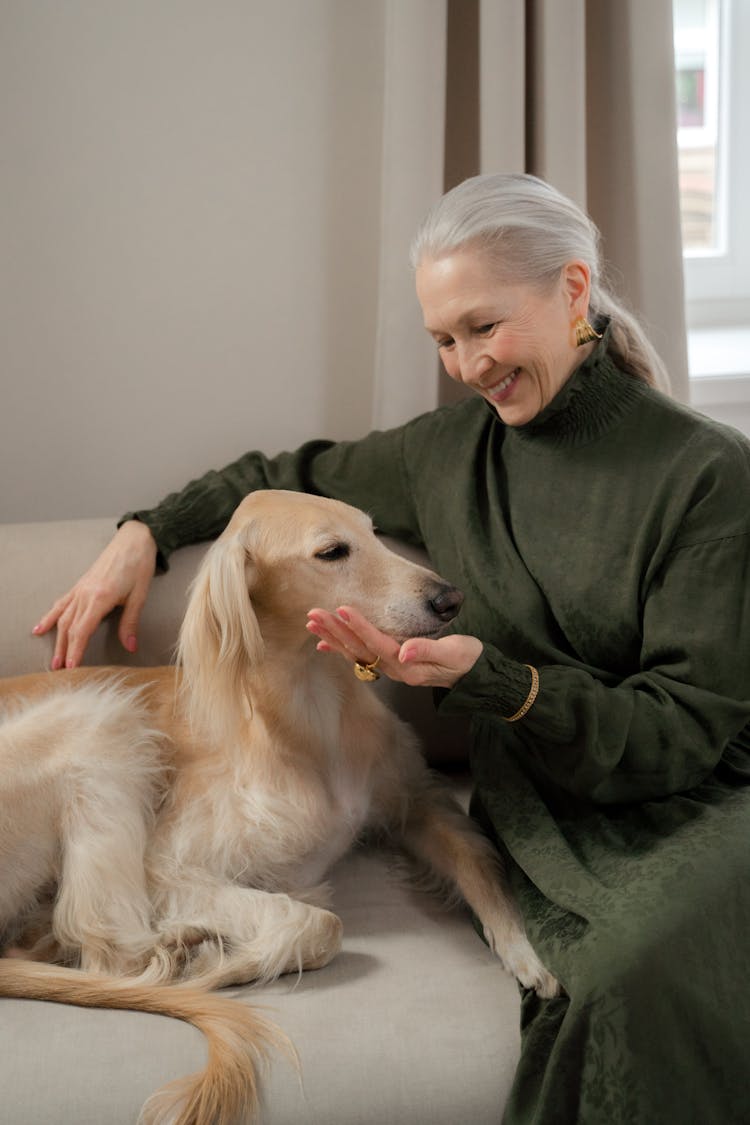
(485, 329)
(334, 552)
(443, 344)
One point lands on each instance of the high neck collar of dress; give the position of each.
(589, 404)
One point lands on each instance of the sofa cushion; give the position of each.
(414, 1022)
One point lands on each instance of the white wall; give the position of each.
(189, 237)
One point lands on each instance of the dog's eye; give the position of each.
(334, 552)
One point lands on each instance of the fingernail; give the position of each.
(131, 644)
(343, 615)
(56, 663)
(36, 629)
(323, 647)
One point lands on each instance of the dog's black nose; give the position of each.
(446, 602)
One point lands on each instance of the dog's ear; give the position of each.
(220, 641)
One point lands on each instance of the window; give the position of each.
(697, 74)
(712, 44)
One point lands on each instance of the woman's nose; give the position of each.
(473, 364)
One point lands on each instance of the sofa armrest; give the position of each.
(40, 561)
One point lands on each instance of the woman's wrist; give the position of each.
(496, 685)
(529, 701)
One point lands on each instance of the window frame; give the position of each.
(717, 282)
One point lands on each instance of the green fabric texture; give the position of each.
(605, 543)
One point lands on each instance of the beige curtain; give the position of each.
(404, 382)
(580, 92)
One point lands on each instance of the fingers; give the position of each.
(50, 618)
(350, 634)
(417, 650)
(121, 576)
(419, 661)
(131, 615)
(439, 663)
(76, 625)
(60, 616)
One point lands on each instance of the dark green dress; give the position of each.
(607, 544)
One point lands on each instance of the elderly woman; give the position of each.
(600, 533)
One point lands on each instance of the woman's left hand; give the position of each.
(419, 661)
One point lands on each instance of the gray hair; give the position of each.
(529, 231)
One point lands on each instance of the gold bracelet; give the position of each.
(533, 693)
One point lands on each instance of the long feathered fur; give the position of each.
(239, 1038)
(220, 640)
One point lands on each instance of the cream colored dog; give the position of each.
(173, 825)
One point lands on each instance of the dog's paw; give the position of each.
(322, 939)
(179, 939)
(544, 984)
(524, 964)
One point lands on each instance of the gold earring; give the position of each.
(584, 332)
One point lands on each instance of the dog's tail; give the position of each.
(239, 1039)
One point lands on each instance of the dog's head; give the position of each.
(281, 554)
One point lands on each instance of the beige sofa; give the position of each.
(413, 1024)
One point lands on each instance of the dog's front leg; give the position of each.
(239, 934)
(439, 834)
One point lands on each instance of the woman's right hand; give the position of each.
(121, 576)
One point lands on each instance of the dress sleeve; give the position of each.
(371, 474)
(658, 731)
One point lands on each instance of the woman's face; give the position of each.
(513, 344)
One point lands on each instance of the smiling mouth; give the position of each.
(499, 390)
